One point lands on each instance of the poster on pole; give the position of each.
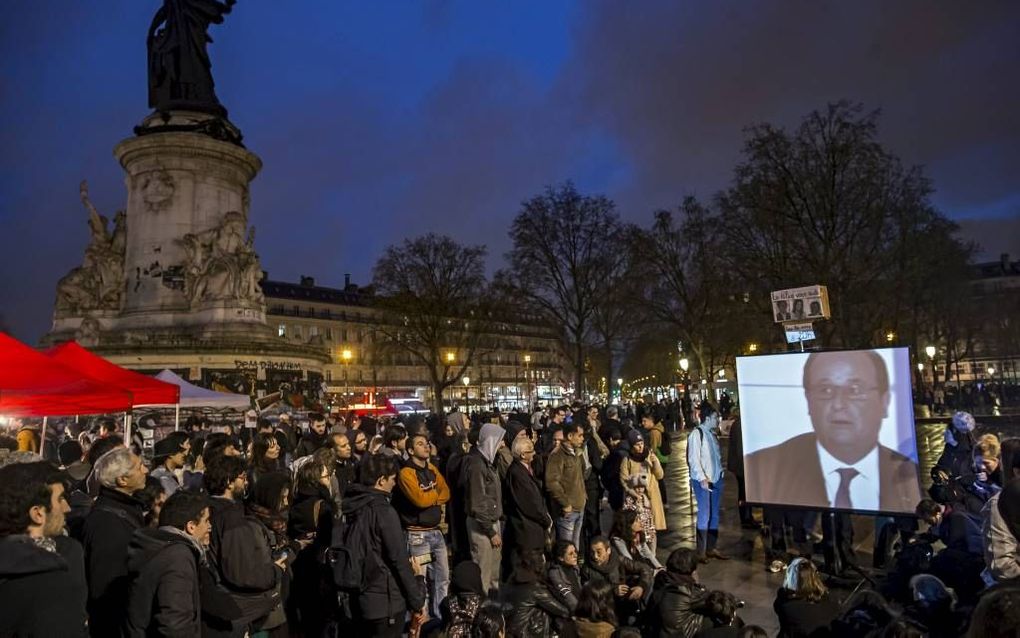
(798, 332)
(800, 304)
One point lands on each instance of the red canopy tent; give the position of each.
(144, 390)
(32, 384)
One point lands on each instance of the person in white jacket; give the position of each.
(705, 464)
(1002, 548)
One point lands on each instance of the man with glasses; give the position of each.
(841, 464)
(527, 519)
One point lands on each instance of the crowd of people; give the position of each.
(490, 525)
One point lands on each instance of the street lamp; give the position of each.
(991, 371)
(451, 357)
(467, 396)
(527, 379)
(346, 357)
(930, 351)
(890, 336)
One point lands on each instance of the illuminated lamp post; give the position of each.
(346, 357)
(467, 395)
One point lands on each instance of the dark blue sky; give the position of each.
(377, 121)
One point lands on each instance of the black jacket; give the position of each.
(42, 593)
(163, 597)
(241, 556)
(532, 607)
(310, 441)
(105, 537)
(565, 584)
(670, 613)
(619, 570)
(800, 618)
(391, 587)
(527, 517)
(610, 474)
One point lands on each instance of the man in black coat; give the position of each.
(391, 588)
(164, 564)
(238, 550)
(106, 535)
(841, 464)
(527, 517)
(314, 438)
(42, 572)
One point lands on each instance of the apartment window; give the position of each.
(329, 334)
(281, 330)
(313, 331)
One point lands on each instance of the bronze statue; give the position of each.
(180, 75)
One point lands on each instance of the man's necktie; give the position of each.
(846, 474)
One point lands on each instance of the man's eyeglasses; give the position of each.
(852, 392)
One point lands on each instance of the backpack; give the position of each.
(665, 445)
(349, 550)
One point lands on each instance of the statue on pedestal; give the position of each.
(222, 264)
(180, 73)
(98, 284)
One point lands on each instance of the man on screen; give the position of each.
(840, 464)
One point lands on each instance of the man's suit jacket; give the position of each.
(791, 473)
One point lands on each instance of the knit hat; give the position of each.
(634, 436)
(964, 422)
(467, 578)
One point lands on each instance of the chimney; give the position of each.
(347, 280)
(307, 282)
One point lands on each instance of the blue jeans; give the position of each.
(437, 573)
(568, 528)
(708, 504)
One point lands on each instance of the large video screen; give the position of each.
(830, 430)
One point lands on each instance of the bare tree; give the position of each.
(436, 304)
(828, 204)
(686, 286)
(564, 247)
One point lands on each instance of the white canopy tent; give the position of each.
(192, 396)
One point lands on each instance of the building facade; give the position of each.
(521, 363)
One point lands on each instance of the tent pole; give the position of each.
(42, 435)
(177, 417)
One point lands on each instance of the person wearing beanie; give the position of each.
(466, 596)
(956, 462)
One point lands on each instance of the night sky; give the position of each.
(378, 121)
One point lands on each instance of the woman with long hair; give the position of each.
(311, 521)
(595, 616)
(359, 443)
(533, 606)
(265, 457)
(802, 603)
(628, 539)
(564, 577)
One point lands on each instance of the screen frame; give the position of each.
(913, 433)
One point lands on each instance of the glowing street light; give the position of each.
(753, 347)
(890, 336)
(991, 371)
(346, 355)
(920, 367)
(467, 397)
(930, 351)
(685, 364)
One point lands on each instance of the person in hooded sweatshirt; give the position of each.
(391, 588)
(42, 572)
(481, 484)
(164, 563)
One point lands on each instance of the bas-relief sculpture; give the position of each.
(222, 264)
(98, 284)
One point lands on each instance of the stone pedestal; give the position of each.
(183, 185)
(191, 297)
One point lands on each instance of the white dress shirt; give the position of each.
(865, 488)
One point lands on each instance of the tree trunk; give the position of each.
(437, 398)
(609, 369)
(579, 371)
